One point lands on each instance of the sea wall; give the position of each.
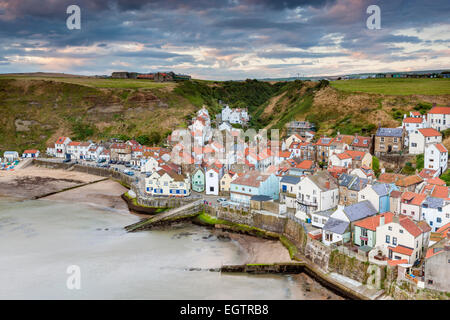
(322, 259)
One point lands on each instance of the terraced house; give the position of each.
(349, 188)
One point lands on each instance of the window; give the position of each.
(394, 241)
(390, 228)
(401, 231)
(211, 188)
(438, 220)
(388, 239)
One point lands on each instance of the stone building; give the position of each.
(389, 141)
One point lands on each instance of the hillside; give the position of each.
(35, 110)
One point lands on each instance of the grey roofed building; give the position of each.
(360, 210)
(261, 198)
(352, 182)
(336, 226)
(389, 132)
(325, 213)
(290, 179)
(432, 202)
(382, 189)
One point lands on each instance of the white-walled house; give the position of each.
(436, 158)
(378, 195)
(150, 164)
(32, 153)
(212, 176)
(317, 192)
(420, 138)
(254, 183)
(94, 152)
(436, 212)
(411, 204)
(59, 149)
(413, 123)
(289, 190)
(168, 183)
(341, 160)
(439, 118)
(236, 116)
(402, 238)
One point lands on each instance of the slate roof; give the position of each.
(360, 210)
(324, 180)
(325, 213)
(260, 198)
(382, 189)
(389, 132)
(352, 182)
(432, 202)
(290, 179)
(336, 226)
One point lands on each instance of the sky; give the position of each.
(224, 39)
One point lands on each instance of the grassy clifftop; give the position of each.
(35, 110)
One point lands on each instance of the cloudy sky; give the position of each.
(224, 39)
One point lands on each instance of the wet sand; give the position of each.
(105, 194)
(32, 182)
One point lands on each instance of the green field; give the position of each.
(395, 86)
(99, 83)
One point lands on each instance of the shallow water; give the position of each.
(40, 239)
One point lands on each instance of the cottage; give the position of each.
(320, 218)
(225, 181)
(378, 195)
(402, 238)
(436, 158)
(120, 152)
(254, 183)
(317, 192)
(289, 190)
(349, 188)
(212, 178)
(198, 180)
(411, 204)
(366, 229)
(32, 153)
(324, 149)
(439, 118)
(389, 141)
(361, 143)
(168, 183)
(60, 149)
(436, 212)
(413, 123)
(410, 183)
(421, 138)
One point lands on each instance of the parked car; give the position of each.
(221, 200)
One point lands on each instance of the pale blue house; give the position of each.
(254, 183)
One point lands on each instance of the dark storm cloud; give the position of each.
(229, 28)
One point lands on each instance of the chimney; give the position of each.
(382, 220)
(395, 218)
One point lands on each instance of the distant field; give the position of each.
(99, 83)
(395, 86)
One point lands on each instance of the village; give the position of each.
(329, 184)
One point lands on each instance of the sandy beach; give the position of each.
(32, 182)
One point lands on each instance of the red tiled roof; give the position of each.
(30, 151)
(410, 226)
(427, 173)
(441, 148)
(415, 199)
(362, 141)
(440, 110)
(74, 143)
(394, 263)
(444, 230)
(371, 223)
(436, 181)
(61, 140)
(440, 192)
(429, 132)
(355, 154)
(433, 251)
(409, 180)
(343, 156)
(412, 120)
(402, 250)
(305, 164)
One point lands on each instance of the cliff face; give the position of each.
(35, 111)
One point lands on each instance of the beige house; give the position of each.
(389, 141)
(226, 180)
